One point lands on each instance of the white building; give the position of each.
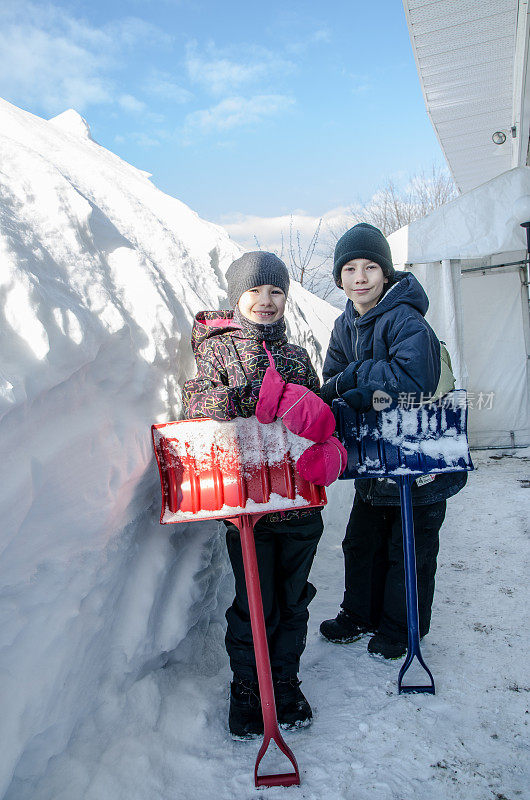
(471, 254)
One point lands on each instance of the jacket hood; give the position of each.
(212, 323)
(406, 289)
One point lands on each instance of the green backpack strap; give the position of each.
(447, 379)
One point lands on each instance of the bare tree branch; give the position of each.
(391, 208)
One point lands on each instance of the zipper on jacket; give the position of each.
(356, 338)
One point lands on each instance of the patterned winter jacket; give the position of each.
(231, 363)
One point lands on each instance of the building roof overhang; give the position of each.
(472, 61)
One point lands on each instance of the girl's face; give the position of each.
(363, 282)
(263, 304)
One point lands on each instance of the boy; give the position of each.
(382, 341)
(231, 364)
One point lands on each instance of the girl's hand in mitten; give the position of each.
(269, 395)
(322, 463)
(305, 414)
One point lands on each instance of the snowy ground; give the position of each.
(165, 736)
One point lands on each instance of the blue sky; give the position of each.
(236, 108)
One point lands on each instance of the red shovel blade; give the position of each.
(218, 470)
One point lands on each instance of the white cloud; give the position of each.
(49, 71)
(219, 72)
(278, 233)
(52, 60)
(236, 112)
(130, 103)
(144, 140)
(295, 231)
(319, 36)
(161, 84)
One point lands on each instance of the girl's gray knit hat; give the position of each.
(257, 268)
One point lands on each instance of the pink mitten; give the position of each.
(322, 463)
(269, 395)
(305, 414)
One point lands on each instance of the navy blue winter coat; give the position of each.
(391, 347)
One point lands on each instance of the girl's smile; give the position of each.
(263, 304)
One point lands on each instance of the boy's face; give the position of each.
(363, 282)
(263, 304)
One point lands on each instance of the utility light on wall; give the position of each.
(499, 137)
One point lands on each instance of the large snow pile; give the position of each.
(101, 274)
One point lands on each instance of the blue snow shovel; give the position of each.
(405, 444)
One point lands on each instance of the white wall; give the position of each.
(496, 358)
(474, 225)
(482, 316)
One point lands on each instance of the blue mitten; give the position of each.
(359, 399)
(348, 378)
(335, 386)
(328, 390)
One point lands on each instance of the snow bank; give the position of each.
(101, 275)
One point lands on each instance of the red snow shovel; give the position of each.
(238, 471)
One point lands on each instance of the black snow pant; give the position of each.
(374, 566)
(285, 553)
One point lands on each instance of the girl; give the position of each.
(382, 341)
(231, 364)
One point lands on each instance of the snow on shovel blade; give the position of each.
(424, 440)
(218, 470)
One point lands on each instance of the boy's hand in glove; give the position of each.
(347, 379)
(359, 399)
(328, 390)
(340, 383)
(322, 463)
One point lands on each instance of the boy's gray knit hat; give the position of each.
(363, 241)
(255, 269)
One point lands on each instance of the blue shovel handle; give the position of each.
(409, 551)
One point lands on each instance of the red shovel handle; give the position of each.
(261, 650)
(283, 778)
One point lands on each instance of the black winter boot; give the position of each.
(343, 629)
(380, 645)
(292, 708)
(245, 719)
